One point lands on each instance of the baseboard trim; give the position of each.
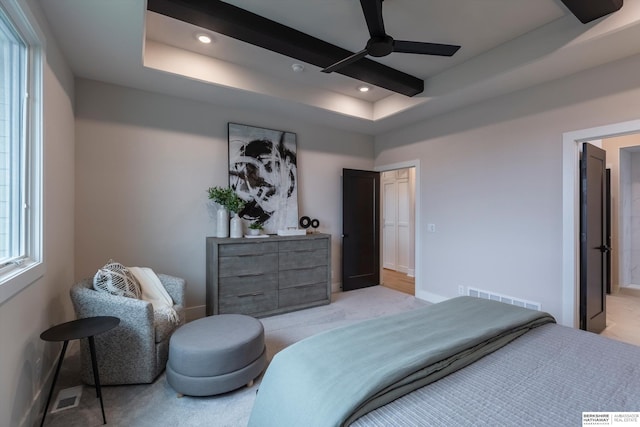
(430, 297)
(336, 287)
(196, 312)
(34, 414)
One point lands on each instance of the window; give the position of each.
(20, 152)
(12, 75)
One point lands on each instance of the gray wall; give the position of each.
(491, 181)
(144, 162)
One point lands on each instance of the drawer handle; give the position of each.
(307, 268)
(305, 286)
(250, 275)
(255, 294)
(257, 254)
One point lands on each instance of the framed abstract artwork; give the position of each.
(263, 172)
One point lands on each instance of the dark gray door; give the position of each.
(360, 229)
(607, 225)
(593, 239)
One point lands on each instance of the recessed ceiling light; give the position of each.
(298, 68)
(364, 88)
(204, 38)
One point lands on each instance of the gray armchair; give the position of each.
(136, 351)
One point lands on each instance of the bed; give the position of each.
(477, 362)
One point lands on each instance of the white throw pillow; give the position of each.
(115, 278)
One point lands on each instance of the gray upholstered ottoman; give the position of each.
(216, 354)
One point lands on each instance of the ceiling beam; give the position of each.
(590, 10)
(246, 26)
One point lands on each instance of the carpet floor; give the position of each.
(157, 404)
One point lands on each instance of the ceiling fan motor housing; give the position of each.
(380, 46)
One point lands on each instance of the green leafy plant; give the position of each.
(226, 197)
(256, 225)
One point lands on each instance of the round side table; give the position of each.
(78, 329)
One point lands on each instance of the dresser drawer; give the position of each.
(247, 249)
(257, 302)
(303, 276)
(304, 259)
(249, 284)
(303, 245)
(247, 265)
(303, 294)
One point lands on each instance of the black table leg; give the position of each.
(96, 377)
(55, 377)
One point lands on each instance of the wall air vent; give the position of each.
(67, 398)
(478, 293)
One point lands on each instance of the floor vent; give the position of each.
(472, 292)
(67, 398)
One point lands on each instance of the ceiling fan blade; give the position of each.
(346, 61)
(372, 10)
(424, 48)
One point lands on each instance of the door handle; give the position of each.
(603, 248)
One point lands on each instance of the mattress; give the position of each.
(547, 377)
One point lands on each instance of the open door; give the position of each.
(360, 229)
(593, 239)
(608, 229)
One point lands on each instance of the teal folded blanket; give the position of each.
(333, 378)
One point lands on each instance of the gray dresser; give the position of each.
(267, 276)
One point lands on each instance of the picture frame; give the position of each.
(263, 172)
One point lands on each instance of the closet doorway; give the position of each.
(623, 158)
(623, 302)
(398, 229)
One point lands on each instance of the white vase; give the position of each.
(222, 223)
(236, 227)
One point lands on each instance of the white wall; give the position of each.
(491, 180)
(144, 162)
(25, 360)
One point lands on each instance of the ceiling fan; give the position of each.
(225, 18)
(381, 44)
